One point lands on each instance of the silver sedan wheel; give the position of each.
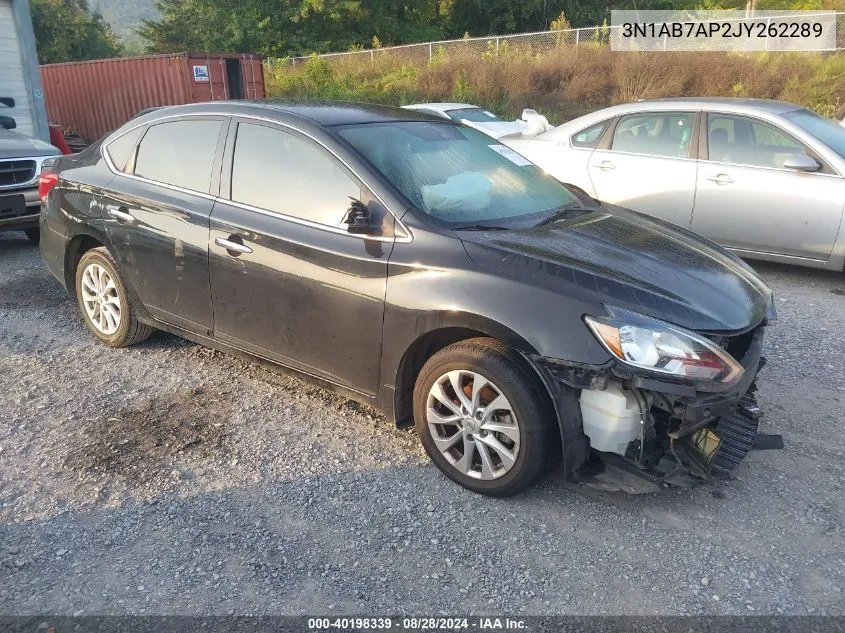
(101, 300)
(472, 424)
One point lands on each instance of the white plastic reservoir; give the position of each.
(611, 418)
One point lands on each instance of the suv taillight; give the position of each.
(46, 181)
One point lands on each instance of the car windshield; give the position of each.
(457, 175)
(476, 115)
(827, 131)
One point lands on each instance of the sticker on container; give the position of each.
(200, 73)
(511, 155)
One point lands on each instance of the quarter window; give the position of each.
(179, 153)
(654, 134)
(120, 149)
(589, 137)
(284, 172)
(748, 142)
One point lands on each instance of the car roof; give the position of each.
(734, 105)
(323, 113)
(776, 107)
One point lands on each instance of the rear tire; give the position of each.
(478, 398)
(104, 303)
(34, 235)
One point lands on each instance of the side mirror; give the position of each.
(7, 123)
(358, 217)
(801, 162)
(8, 102)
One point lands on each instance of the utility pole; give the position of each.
(750, 8)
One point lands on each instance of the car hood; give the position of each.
(618, 257)
(14, 145)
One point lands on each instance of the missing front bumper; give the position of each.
(691, 432)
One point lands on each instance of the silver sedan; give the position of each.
(763, 178)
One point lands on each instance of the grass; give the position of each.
(567, 82)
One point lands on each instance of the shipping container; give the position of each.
(93, 98)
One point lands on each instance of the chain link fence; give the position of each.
(535, 44)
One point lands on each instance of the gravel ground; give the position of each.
(168, 478)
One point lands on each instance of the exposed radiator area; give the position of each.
(737, 432)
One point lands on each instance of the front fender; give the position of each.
(456, 294)
(528, 319)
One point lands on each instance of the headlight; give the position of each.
(657, 346)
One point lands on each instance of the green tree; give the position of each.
(496, 17)
(65, 31)
(299, 27)
(288, 27)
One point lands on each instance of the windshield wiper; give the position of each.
(562, 213)
(480, 227)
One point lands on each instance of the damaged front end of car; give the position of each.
(672, 406)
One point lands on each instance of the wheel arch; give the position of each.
(449, 329)
(77, 246)
(89, 238)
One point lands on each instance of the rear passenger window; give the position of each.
(654, 134)
(290, 174)
(590, 137)
(179, 153)
(121, 148)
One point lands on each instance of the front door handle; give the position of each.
(605, 165)
(721, 179)
(121, 215)
(234, 248)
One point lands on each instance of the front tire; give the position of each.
(483, 418)
(104, 302)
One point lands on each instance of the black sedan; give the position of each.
(418, 266)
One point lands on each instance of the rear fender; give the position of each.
(92, 236)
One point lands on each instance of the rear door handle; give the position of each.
(721, 179)
(121, 215)
(232, 247)
(605, 165)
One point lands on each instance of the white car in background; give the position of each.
(485, 121)
(763, 178)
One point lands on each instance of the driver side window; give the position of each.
(734, 139)
(290, 174)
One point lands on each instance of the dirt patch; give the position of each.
(146, 442)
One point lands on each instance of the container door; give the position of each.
(234, 78)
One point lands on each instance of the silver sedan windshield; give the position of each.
(826, 130)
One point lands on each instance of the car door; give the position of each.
(288, 281)
(746, 200)
(646, 165)
(157, 212)
(572, 160)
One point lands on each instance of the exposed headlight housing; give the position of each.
(654, 345)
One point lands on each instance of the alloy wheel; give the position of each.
(100, 298)
(473, 425)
